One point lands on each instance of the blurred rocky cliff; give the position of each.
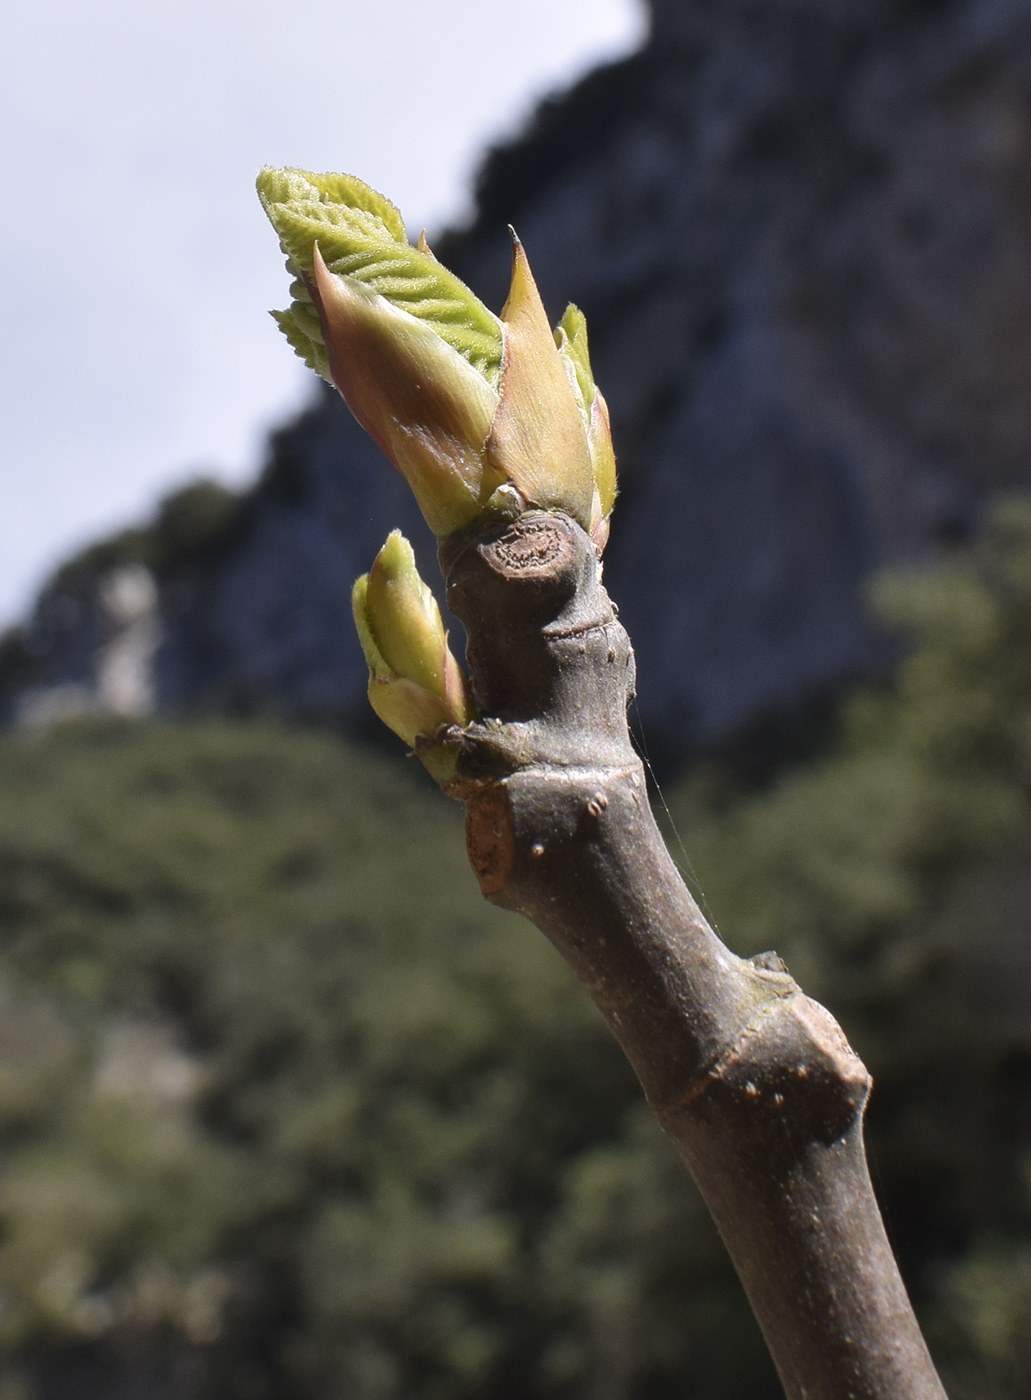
(801, 232)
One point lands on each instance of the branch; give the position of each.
(499, 418)
(753, 1081)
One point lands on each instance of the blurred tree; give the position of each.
(277, 1084)
(895, 877)
(287, 1111)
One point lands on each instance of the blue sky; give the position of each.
(138, 268)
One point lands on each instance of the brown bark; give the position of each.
(753, 1081)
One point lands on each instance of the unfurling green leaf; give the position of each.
(361, 236)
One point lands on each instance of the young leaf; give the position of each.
(361, 236)
(303, 331)
(334, 191)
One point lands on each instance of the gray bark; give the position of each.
(754, 1082)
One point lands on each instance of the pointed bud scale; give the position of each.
(537, 439)
(603, 462)
(600, 533)
(421, 402)
(603, 457)
(405, 708)
(415, 683)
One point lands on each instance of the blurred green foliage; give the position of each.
(277, 1083)
(284, 1104)
(894, 876)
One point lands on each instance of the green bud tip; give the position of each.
(415, 683)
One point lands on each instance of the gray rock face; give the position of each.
(801, 232)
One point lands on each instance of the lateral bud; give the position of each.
(416, 686)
